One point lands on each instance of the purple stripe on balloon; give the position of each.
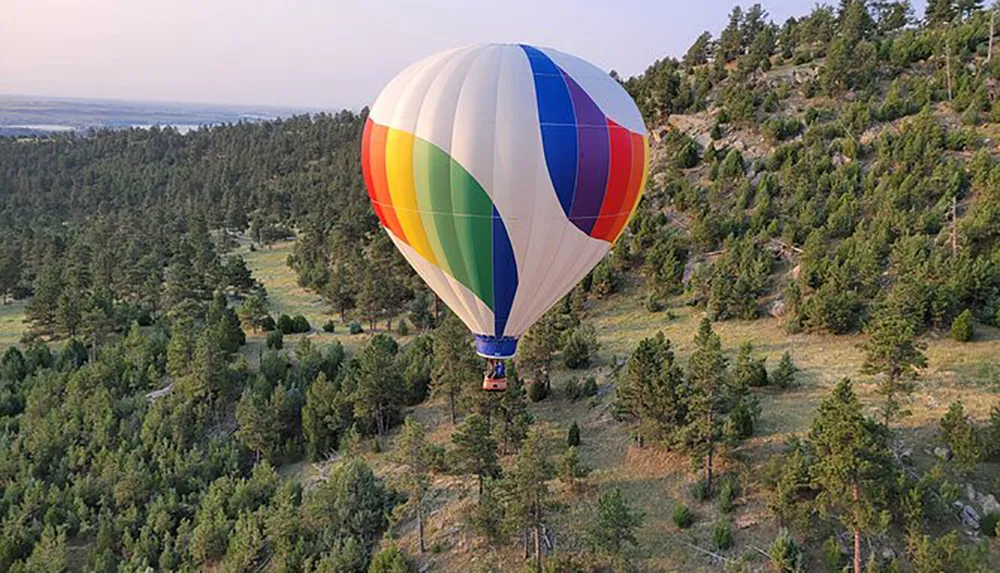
(593, 152)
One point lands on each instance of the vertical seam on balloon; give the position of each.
(480, 319)
(607, 181)
(546, 279)
(501, 306)
(472, 310)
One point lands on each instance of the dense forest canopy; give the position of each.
(837, 171)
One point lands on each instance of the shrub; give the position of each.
(267, 324)
(355, 328)
(275, 340)
(988, 524)
(831, 554)
(572, 389)
(727, 495)
(654, 303)
(389, 560)
(402, 328)
(784, 375)
(787, 556)
(962, 328)
(699, 491)
(722, 535)
(285, 324)
(573, 436)
(300, 324)
(683, 517)
(580, 348)
(590, 386)
(537, 391)
(328, 326)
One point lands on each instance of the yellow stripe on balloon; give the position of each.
(642, 183)
(399, 172)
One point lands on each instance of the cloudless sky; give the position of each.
(324, 54)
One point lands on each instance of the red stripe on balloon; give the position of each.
(618, 182)
(638, 163)
(380, 182)
(366, 170)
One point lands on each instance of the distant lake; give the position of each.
(37, 115)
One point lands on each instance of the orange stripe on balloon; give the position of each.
(381, 182)
(366, 170)
(618, 182)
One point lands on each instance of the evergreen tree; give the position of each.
(853, 467)
(258, 424)
(320, 421)
(570, 469)
(476, 448)
(614, 527)
(708, 378)
(514, 410)
(180, 351)
(963, 327)
(381, 390)
(454, 364)
(412, 452)
(538, 346)
(784, 375)
(529, 478)
(961, 436)
(893, 352)
(938, 12)
(651, 391)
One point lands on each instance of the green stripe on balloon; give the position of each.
(457, 214)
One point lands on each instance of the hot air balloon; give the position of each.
(503, 173)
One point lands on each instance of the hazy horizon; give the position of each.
(314, 54)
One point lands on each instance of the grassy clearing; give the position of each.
(270, 266)
(11, 323)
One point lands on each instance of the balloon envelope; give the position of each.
(503, 173)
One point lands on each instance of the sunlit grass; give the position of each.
(11, 323)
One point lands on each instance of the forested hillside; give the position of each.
(789, 362)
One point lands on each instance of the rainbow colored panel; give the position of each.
(597, 166)
(431, 203)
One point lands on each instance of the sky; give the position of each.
(320, 54)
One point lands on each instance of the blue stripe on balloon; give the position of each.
(504, 274)
(558, 123)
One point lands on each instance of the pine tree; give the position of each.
(784, 375)
(853, 466)
(180, 350)
(961, 436)
(538, 346)
(258, 424)
(893, 352)
(570, 469)
(476, 448)
(708, 378)
(529, 478)
(514, 410)
(253, 310)
(454, 363)
(381, 390)
(613, 528)
(573, 436)
(651, 391)
(412, 452)
(320, 423)
(963, 327)
(939, 12)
